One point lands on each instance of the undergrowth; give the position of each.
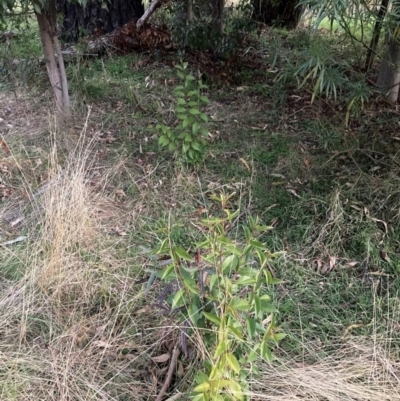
(81, 307)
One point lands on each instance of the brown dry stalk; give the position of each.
(171, 369)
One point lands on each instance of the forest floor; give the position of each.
(81, 205)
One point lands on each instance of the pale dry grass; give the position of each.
(353, 368)
(360, 370)
(65, 322)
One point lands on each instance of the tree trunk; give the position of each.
(217, 7)
(376, 35)
(55, 64)
(280, 13)
(389, 73)
(184, 12)
(98, 17)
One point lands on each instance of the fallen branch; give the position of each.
(171, 370)
(150, 10)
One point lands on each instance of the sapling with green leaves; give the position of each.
(187, 139)
(224, 298)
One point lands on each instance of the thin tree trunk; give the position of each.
(55, 65)
(50, 59)
(389, 73)
(189, 8)
(60, 58)
(217, 7)
(376, 35)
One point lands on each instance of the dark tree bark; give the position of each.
(217, 7)
(277, 12)
(389, 73)
(376, 35)
(98, 17)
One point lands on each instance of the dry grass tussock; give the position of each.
(66, 320)
(360, 370)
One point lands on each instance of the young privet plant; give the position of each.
(224, 298)
(188, 138)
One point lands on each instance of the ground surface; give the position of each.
(87, 200)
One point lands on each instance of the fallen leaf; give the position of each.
(16, 221)
(119, 231)
(102, 344)
(292, 191)
(245, 163)
(329, 265)
(352, 264)
(4, 145)
(161, 358)
(351, 327)
(100, 329)
(120, 192)
(385, 256)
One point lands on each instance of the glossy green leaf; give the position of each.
(213, 281)
(265, 352)
(247, 233)
(267, 307)
(212, 318)
(253, 355)
(196, 146)
(222, 346)
(235, 332)
(235, 389)
(198, 397)
(257, 244)
(233, 362)
(257, 306)
(240, 304)
(202, 388)
(251, 326)
(183, 254)
(230, 263)
(245, 281)
(167, 271)
(279, 336)
(204, 117)
(193, 312)
(195, 127)
(178, 299)
(163, 140)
